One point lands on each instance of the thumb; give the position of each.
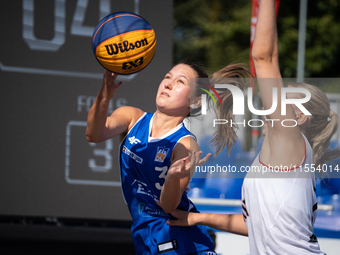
(158, 203)
(171, 222)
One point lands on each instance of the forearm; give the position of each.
(232, 223)
(266, 57)
(96, 119)
(99, 127)
(265, 47)
(171, 194)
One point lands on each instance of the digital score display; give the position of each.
(49, 80)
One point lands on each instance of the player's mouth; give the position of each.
(165, 94)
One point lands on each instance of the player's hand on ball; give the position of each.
(110, 85)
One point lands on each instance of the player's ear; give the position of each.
(196, 103)
(301, 118)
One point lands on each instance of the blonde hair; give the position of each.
(236, 74)
(323, 123)
(225, 135)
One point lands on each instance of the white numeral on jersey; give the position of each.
(164, 169)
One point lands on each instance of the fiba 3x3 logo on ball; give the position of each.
(124, 42)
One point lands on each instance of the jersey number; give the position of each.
(163, 171)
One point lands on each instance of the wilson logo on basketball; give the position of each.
(115, 48)
(124, 42)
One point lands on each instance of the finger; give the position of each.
(195, 158)
(119, 84)
(192, 157)
(198, 157)
(107, 74)
(114, 76)
(185, 161)
(204, 160)
(176, 223)
(185, 167)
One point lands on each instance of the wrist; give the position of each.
(198, 218)
(106, 93)
(103, 98)
(195, 218)
(172, 177)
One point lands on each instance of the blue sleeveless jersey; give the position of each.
(144, 162)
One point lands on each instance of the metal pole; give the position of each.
(302, 41)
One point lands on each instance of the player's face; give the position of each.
(173, 94)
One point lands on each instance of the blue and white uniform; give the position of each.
(144, 163)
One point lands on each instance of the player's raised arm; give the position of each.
(266, 61)
(100, 127)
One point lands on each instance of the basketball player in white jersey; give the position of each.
(279, 200)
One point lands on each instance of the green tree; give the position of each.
(212, 33)
(215, 33)
(322, 57)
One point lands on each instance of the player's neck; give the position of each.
(163, 123)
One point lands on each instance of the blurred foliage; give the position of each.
(212, 33)
(215, 33)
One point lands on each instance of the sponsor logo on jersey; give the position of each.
(141, 208)
(313, 239)
(161, 154)
(134, 140)
(132, 155)
(144, 190)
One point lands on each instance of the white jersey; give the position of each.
(279, 208)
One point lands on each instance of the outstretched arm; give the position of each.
(100, 127)
(266, 61)
(232, 223)
(265, 51)
(265, 54)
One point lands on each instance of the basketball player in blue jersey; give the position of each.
(279, 207)
(156, 156)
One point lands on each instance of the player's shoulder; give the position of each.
(189, 142)
(130, 110)
(128, 115)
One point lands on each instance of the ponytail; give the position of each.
(323, 123)
(235, 74)
(225, 135)
(321, 141)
